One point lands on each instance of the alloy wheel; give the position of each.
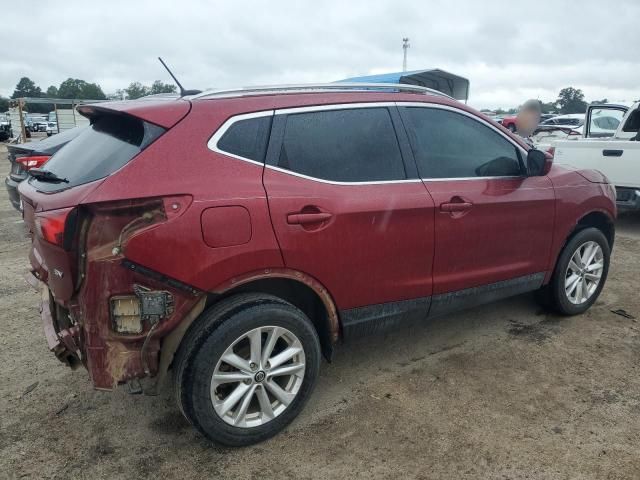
(258, 376)
(584, 272)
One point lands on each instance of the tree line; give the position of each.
(75, 88)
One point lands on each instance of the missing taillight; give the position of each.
(57, 226)
(36, 161)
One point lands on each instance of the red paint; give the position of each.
(225, 226)
(376, 247)
(503, 234)
(215, 222)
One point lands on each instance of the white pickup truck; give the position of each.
(610, 143)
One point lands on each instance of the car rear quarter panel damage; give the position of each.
(186, 247)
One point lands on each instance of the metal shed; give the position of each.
(445, 82)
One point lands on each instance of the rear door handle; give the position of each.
(612, 153)
(456, 206)
(307, 218)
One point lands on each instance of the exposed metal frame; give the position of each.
(320, 88)
(212, 144)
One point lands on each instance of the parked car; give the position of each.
(25, 156)
(236, 236)
(547, 116)
(52, 128)
(509, 122)
(616, 155)
(574, 121)
(38, 123)
(5, 129)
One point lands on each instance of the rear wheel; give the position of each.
(247, 368)
(580, 273)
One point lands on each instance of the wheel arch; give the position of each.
(599, 219)
(297, 288)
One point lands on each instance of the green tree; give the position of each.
(159, 87)
(52, 92)
(92, 91)
(76, 88)
(26, 88)
(136, 90)
(549, 107)
(571, 100)
(599, 102)
(4, 104)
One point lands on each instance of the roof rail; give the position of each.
(319, 87)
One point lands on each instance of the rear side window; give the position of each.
(247, 138)
(107, 145)
(451, 145)
(352, 145)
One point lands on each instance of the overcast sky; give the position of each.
(509, 50)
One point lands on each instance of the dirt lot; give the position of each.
(502, 391)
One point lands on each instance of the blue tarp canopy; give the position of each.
(445, 82)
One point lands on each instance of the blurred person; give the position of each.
(528, 119)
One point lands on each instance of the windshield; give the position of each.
(108, 144)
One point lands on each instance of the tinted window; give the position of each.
(357, 145)
(247, 138)
(108, 144)
(451, 145)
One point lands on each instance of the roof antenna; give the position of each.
(183, 92)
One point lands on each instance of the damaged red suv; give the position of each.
(233, 238)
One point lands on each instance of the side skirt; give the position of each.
(471, 297)
(372, 319)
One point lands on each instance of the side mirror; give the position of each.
(538, 162)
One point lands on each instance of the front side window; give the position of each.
(446, 144)
(351, 145)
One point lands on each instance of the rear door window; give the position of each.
(107, 145)
(447, 144)
(347, 145)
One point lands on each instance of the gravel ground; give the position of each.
(501, 391)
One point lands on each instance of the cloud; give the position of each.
(510, 51)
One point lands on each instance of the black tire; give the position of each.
(205, 343)
(512, 127)
(553, 295)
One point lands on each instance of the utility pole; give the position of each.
(405, 47)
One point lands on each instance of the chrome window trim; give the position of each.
(336, 182)
(212, 144)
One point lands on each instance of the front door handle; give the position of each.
(612, 153)
(456, 206)
(307, 218)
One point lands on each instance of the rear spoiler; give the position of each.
(162, 112)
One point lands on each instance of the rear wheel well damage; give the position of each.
(322, 314)
(301, 296)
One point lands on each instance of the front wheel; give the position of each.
(580, 273)
(247, 368)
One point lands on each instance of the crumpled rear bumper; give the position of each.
(62, 342)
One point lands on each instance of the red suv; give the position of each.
(235, 237)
